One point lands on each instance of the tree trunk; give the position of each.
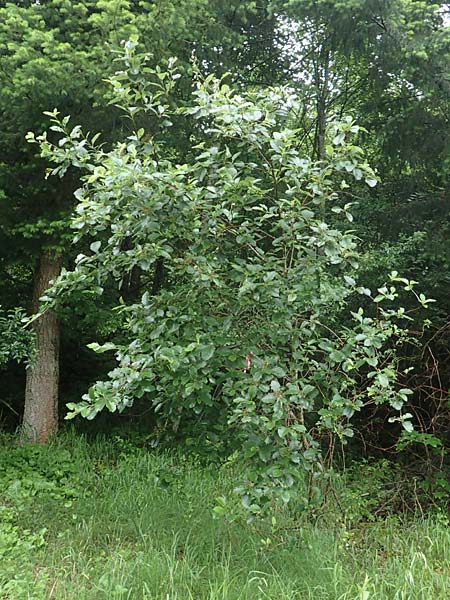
(40, 418)
(322, 84)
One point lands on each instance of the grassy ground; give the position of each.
(105, 520)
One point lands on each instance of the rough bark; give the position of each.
(40, 418)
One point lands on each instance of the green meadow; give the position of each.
(107, 519)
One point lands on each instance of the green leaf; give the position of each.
(100, 349)
(95, 246)
(338, 139)
(371, 182)
(407, 426)
(383, 379)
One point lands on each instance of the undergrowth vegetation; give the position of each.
(110, 519)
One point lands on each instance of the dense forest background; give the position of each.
(382, 64)
(224, 300)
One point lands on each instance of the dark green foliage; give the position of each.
(59, 53)
(16, 342)
(212, 308)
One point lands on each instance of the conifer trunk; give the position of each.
(322, 83)
(40, 418)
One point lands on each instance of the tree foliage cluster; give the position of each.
(216, 255)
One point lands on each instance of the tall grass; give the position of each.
(128, 523)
